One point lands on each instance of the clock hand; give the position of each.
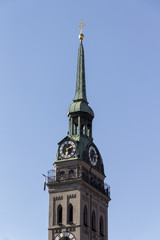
(69, 147)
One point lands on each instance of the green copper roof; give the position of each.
(81, 107)
(80, 84)
(80, 103)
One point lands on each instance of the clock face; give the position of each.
(93, 157)
(67, 149)
(65, 236)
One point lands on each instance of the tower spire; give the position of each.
(80, 94)
(80, 114)
(80, 83)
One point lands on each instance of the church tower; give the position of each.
(78, 196)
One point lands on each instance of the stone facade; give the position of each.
(80, 194)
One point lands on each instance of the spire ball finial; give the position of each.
(81, 36)
(81, 27)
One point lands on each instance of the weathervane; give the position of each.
(81, 27)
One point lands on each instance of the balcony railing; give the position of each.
(62, 176)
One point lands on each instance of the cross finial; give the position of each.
(81, 27)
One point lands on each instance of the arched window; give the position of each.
(101, 226)
(93, 221)
(75, 126)
(89, 129)
(62, 175)
(59, 214)
(70, 213)
(71, 173)
(85, 216)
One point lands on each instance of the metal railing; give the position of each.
(62, 176)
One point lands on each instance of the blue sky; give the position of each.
(38, 57)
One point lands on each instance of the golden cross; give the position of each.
(81, 26)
